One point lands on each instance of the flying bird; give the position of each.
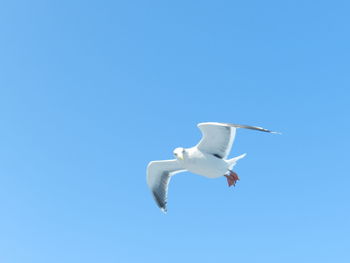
(208, 158)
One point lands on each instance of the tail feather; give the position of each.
(233, 161)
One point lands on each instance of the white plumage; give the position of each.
(208, 158)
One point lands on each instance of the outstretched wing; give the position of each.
(217, 138)
(158, 177)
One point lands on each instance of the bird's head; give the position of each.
(179, 153)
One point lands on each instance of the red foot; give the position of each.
(232, 178)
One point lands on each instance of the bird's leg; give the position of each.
(229, 180)
(234, 175)
(232, 178)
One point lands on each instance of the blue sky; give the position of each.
(90, 92)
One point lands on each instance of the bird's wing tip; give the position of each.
(274, 132)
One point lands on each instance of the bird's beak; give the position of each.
(181, 156)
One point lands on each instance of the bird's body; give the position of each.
(208, 158)
(202, 163)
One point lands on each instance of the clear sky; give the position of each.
(91, 91)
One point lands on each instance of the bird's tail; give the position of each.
(232, 162)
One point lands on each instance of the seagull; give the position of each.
(208, 158)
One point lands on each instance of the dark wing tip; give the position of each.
(225, 124)
(160, 202)
(251, 128)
